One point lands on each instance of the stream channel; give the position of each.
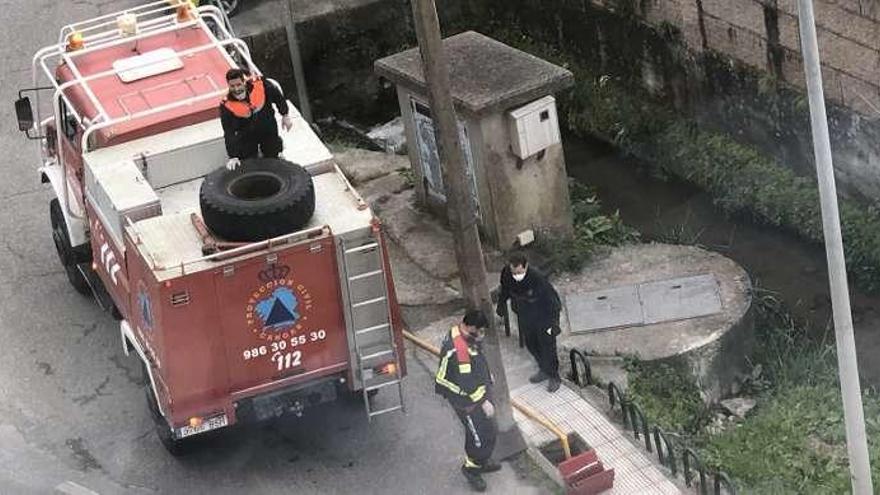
(670, 210)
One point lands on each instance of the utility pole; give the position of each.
(299, 76)
(462, 215)
(854, 416)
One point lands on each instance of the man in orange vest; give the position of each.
(464, 379)
(249, 125)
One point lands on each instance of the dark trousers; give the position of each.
(480, 432)
(543, 348)
(269, 144)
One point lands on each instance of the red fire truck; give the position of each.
(246, 294)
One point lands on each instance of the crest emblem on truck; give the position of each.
(279, 307)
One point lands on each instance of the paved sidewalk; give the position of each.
(635, 472)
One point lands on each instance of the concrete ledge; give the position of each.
(713, 347)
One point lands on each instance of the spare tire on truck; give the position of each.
(263, 198)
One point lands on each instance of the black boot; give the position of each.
(554, 384)
(476, 482)
(538, 377)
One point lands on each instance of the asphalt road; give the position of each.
(72, 408)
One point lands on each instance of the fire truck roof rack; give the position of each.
(104, 31)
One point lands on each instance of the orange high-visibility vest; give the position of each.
(246, 108)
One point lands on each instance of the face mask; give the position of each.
(519, 277)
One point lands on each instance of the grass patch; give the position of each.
(667, 394)
(794, 440)
(592, 231)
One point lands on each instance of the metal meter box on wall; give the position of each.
(534, 127)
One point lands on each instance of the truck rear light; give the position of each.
(386, 369)
(179, 299)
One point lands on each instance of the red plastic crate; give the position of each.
(584, 474)
(593, 485)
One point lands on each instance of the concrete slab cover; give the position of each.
(680, 298)
(644, 304)
(485, 74)
(604, 309)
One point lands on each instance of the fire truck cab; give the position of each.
(125, 115)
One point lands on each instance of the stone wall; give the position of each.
(764, 35)
(338, 50)
(733, 66)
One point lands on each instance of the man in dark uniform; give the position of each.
(463, 378)
(248, 119)
(537, 307)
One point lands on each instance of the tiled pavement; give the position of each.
(634, 471)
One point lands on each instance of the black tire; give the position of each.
(175, 447)
(69, 257)
(262, 199)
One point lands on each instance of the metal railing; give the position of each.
(694, 471)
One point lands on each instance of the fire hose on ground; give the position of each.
(522, 408)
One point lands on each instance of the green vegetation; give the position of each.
(667, 394)
(740, 178)
(592, 231)
(794, 440)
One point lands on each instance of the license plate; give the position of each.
(208, 425)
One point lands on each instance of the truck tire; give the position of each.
(69, 257)
(175, 447)
(262, 199)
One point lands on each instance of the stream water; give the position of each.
(776, 260)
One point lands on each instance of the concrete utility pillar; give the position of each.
(509, 129)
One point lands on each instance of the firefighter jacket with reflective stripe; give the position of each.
(246, 122)
(463, 376)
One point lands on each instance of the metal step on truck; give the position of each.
(245, 294)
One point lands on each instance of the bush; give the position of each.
(592, 231)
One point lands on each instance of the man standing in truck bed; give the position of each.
(248, 120)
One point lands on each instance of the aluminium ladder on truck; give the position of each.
(369, 315)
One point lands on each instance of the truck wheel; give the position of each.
(174, 446)
(66, 254)
(262, 199)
